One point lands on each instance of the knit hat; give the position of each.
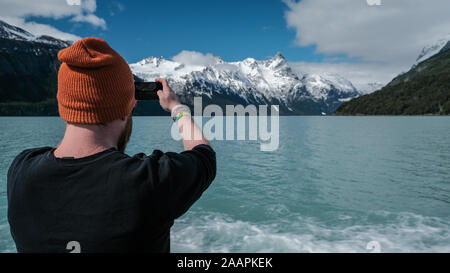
(95, 84)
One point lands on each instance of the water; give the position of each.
(334, 185)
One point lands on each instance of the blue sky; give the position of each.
(232, 29)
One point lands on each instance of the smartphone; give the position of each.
(147, 90)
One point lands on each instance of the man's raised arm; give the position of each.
(191, 134)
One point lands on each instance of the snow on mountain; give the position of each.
(432, 49)
(370, 87)
(152, 67)
(10, 32)
(254, 81)
(320, 85)
(14, 33)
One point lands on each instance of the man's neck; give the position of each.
(83, 141)
(78, 152)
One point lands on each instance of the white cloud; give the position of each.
(395, 31)
(196, 58)
(89, 5)
(90, 18)
(387, 38)
(17, 11)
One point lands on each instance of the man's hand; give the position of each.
(167, 98)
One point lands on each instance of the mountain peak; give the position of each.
(249, 60)
(433, 49)
(278, 62)
(11, 32)
(278, 56)
(8, 31)
(152, 60)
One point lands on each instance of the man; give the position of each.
(87, 195)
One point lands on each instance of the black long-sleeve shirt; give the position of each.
(107, 202)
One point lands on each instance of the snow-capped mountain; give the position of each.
(433, 49)
(11, 32)
(251, 82)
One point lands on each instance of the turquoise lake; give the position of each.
(334, 185)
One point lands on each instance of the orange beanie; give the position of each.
(95, 84)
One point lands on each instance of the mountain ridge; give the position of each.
(423, 90)
(251, 81)
(433, 49)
